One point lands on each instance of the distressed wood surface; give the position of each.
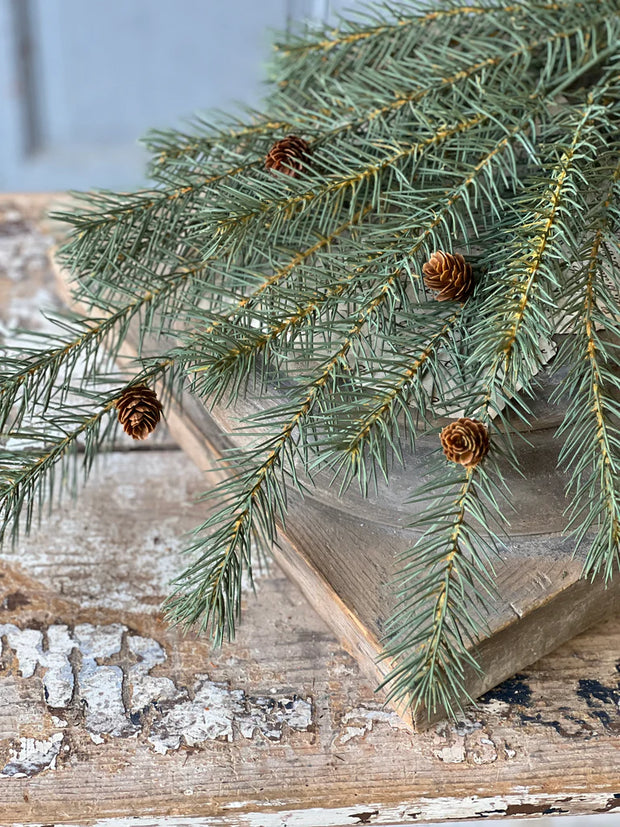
(340, 551)
(107, 716)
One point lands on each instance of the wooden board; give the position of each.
(341, 550)
(545, 742)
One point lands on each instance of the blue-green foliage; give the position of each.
(492, 129)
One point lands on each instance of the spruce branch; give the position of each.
(524, 290)
(444, 584)
(24, 474)
(32, 377)
(474, 129)
(55, 439)
(431, 664)
(370, 435)
(352, 35)
(591, 451)
(192, 150)
(209, 591)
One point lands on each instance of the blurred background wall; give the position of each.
(82, 80)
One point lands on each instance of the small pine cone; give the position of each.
(139, 411)
(450, 274)
(465, 441)
(287, 155)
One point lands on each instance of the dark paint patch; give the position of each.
(591, 690)
(515, 690)
(13, 601)
(487, 813)
(586, 733)
(612, 804)
(595, 693)
(364, 818)
(534, 809)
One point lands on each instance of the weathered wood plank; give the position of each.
(341, 550)
(89, 582)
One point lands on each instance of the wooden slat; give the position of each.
(545, 742)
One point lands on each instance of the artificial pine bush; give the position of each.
(430, 195)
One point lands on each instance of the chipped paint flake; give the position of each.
(144, 688)
(454, 754)
(113, 661)
(32, 757)
(28, 647)
(216, 711)
(101, 687)
(209, 716)
(362, 719)
(58, 680)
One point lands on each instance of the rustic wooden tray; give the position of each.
(340, 551)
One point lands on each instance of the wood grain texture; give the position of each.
(280, 728)
(341, 550)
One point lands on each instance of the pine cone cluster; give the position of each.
(287, 155)
(449, 274)
(139, 411)
(465, 441)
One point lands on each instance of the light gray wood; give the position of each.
(545, 742)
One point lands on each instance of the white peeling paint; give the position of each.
(362, 719)
(465, 741)
(58, 680)
(145, 689)
(32, 756)
(414, 812)
(216, 712)
(101, 686)
(110, 657)
(28, 647)
(27, 644)
(209, 716)
(453, 754)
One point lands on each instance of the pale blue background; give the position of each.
(81, 80)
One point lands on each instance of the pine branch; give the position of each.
(353, 34)
(591, 451)
(31, 378)
(28, 473)
(473, 128)
(432, 662)
(187, 151)
(523, 291)
(444, 586)
(208, 593)
(370, 435)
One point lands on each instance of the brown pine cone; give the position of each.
(465, 441)
(287, 155)
(450, 274)
(139, 411)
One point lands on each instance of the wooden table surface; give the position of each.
(108, 716)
